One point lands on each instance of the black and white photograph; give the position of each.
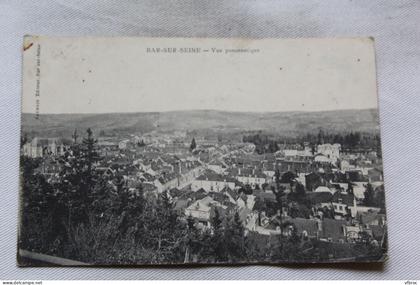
(198, 151)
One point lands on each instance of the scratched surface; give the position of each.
(396, 29)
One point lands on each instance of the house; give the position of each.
(290, 152)
(324, 189)
(375, 174)
(298, 152)
(175, 192)
(341, 187)
(233, 194)
(249, 201)
(322, 158)
(222, 197)
(194, 196)
(353, 232)
(342, 203)
(372, 219)
(378, 232)
(359, 210)
(211, 181)
(295, 166)
(249, 176)
(123, 144)
(330, 151)
(217, 166)
(345, 165)
(333, 230)
(180, 206)
(203, 210)
(166, 181)
(242, 201)
(359, 189)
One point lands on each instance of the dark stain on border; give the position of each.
(28, 46)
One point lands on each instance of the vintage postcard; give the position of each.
(158, 151)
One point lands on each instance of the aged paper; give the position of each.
(140, 151)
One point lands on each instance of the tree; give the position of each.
(277, 177)
(23, 139)
(369, 199)
(247, 189)
(380, 198)
(279, 193)
(320, 137)
(234, 239)
(298, 193)
(378, 146)
(288, 177)
(75, 136)
(89, 151)
(313, 149)
(193, 240)
(290, 247)
(193, 144)
(259, 206)
(75, 189)
(350, 188)
(300, 190)
(294, 211)
(217, 239)
(272, 147)
(39, 226)
(264, 186)
(164, 235)
(293, 251)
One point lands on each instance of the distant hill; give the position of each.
(284, 123)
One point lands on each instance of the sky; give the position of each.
(108, 75)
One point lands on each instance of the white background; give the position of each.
(395, 25)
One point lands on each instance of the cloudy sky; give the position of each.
(102, 75)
